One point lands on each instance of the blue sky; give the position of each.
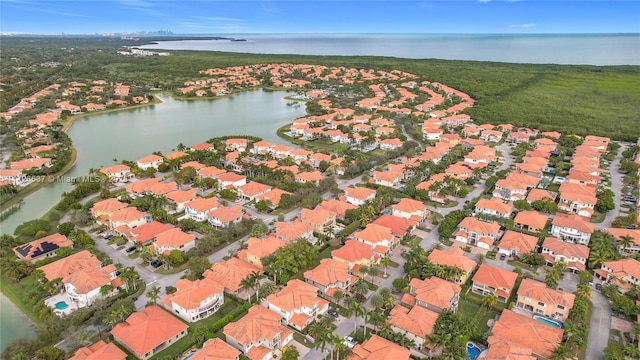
(233, 17)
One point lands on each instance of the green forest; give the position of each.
(578, 99)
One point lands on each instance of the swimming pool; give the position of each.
(189, 355)
(543, 319)
(61, 305)
(472, 351)
(386, 211)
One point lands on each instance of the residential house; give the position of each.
(230, 273)
(541, 195)
(14, 177)
(145, 234)
(223, 216)
(216, 349)
(492, 280)
(410, 209)
(321, 220)
(531, 221)
(574, 255)
(622, 235)
(141, 188)
(500, 349)
(536, 297)
(624, 273)
(541, 338)
(231, 180)
(293, 230)
(31, 163)
(297, 304)
(202, 147)
(355, 254)
(377, 348)
(313, 177)
(573, 228)
(477, 232)
(359, 195)
(195, 300)
(387, 178)
(258, 249)
(252, 190)
(106, 207)
(174, 239)
(516, 244)
(147, 332)
(180, 198)
(330, 276)
(82, 275)
(582, 203)
(416, 324)
(493, 207)
(199, 208)
(273, 197)
(399, 227)
(151, 161)
(42, 248)
(239, 145)
(127, 218)
(434, 294)
(258, 334)
(99, 350)
(337, 206)
(453, 257)
(379, 238)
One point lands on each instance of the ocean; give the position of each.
(574, 49)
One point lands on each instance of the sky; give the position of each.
(281, 16)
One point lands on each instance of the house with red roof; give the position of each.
(522, 332)
(106, 207)
(14, 177)
(355, 254)
(399, 227)
(127, 218)
(258, 249)
(330, 276)
(230, 273)
(252, 190)
(530, 220)
(202, 146)
(273, 196)
(434, 294)
(410, 209)
(624, 273)
(290, 231)
(493, 207)
(453, 257)
(573, 228)
(574, 255)
(259, 334)
(514, 243)
(145, 234)
(195, 300)
(174, 239)
(377, 348)
(150, 161)
(141, 188)
(216, 349)
(118, 173)
(379, 238)
(492, 280)
(30, 163)
(231, 180)
(223, 216)
(477, 232)
(99, 350)
(359, 195)
(42, 248)
(236, 144)
(387, 178)
(535, 297)
(416, 324)
(321, 220)
(180, 198)
(297, 304)
(199, 208)
(147, 332)
(620, 234)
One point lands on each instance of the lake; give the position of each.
(134, 133)
(576, 49)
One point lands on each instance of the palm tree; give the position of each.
(377, 301)
(154, 295)
(626, 241)
(374, 271)
(338, 296)
(385, 262)
(199, 335)
(584, 291)
(361, 288)
(480, 258)
(366, 313)
(364, 270)
(561, 352)
(247, 283)
(490, 301)
(256, 275)
(110, 319)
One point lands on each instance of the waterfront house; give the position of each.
(149, 331)
(150, 161)
(258, 334)
(41, 248)
(273, 196)
(536, 297)
(13, 177)
(492, 280)
(399, 227)
(297, 304)
(99, 350)
(235, 144)
(195, 300)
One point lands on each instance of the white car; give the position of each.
(350, 342)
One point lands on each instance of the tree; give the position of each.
(373, 272)
(626, 241)
(377, 301)
(175, 258)
(197, 266)
(290, 353)
(521, 205)
(584, 291)
(385, 262)
(249, 282)
(263, 205)
(50, 353)
(561, 352)
(200, 334)
(605, 201)
(399, 284)
(154, 295)
(490, 301)
(66, 228)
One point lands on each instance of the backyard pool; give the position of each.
(543, 319)
(61, 305)
(189, 355)
(473, 351)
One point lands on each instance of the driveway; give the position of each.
(616, 187)
(599, 327)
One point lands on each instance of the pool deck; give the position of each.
(53, 300)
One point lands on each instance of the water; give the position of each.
(543, 319)
(132, 134)
(472, 351)
(61, 305)
(13, 324)
(590, 49)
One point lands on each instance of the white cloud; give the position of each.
(522, 25)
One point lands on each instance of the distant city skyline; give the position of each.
(242, 17)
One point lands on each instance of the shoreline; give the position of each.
(27, 191)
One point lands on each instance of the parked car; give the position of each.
(350, 342)
(156, 263)
(503, 256)
(598, 286)
(333, 313)
(131, 249)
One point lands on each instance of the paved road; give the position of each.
(616, 187)
(598, 327)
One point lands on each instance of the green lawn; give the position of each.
(472, 312)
